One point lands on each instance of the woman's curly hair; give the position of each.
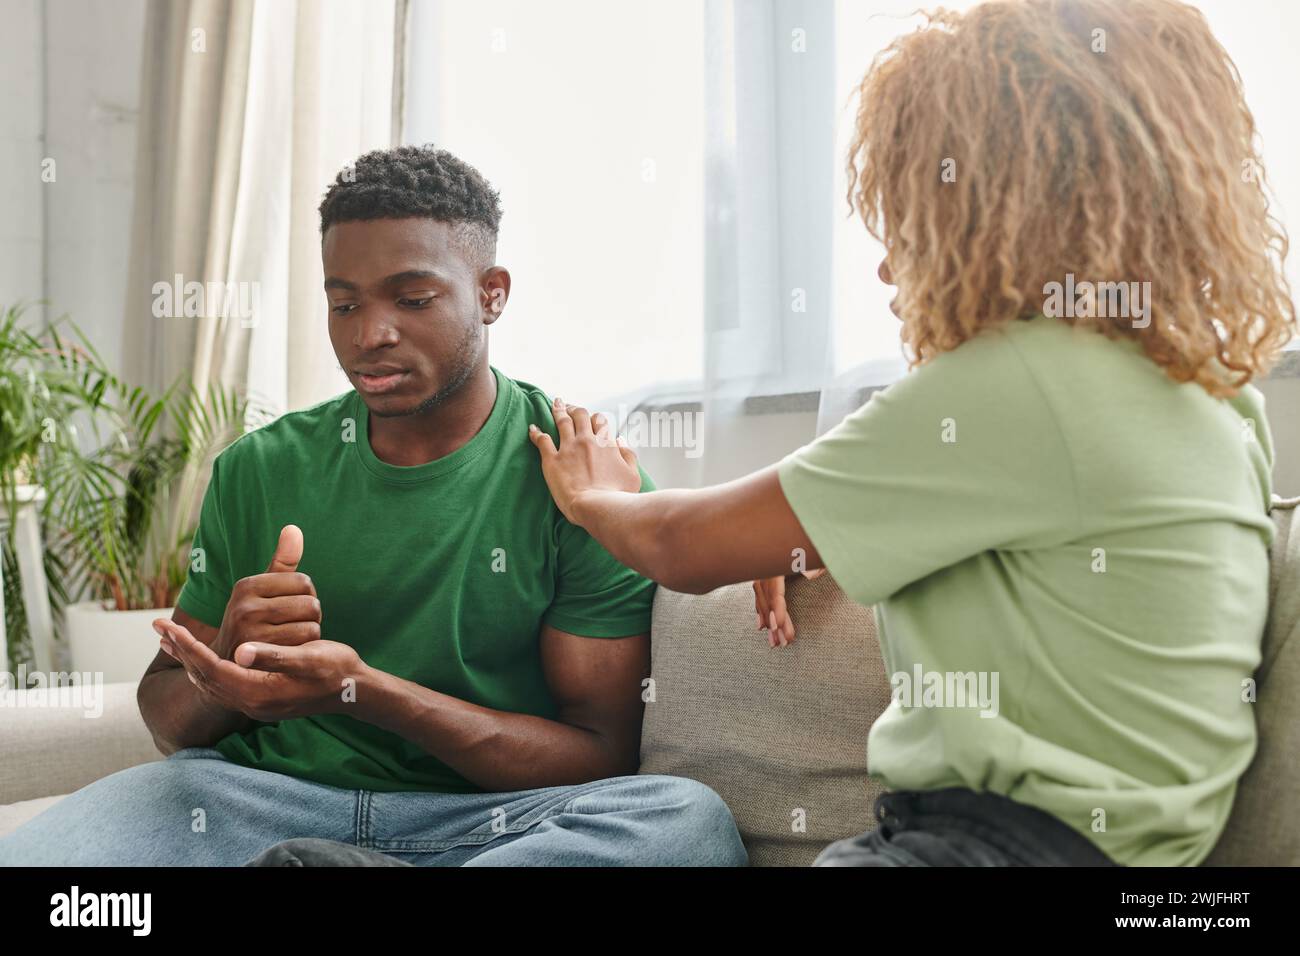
(1000, 150)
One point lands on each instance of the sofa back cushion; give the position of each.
(1264, 829)
(781, 734)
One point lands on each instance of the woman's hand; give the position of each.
(769, 603)
(588, 459)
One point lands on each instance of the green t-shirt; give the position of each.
(1043, 504)
(441, 573)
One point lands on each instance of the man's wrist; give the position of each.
(369, 696)
(222, 645)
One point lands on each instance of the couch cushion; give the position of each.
(14, 815)
(1264, 829)
(779, 733)
(53, 742)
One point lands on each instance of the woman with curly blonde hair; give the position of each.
(1068, 493)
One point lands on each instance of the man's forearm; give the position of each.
(496, 750)
(177, 716)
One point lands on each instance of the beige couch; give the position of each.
(780, 734)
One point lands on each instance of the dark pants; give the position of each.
(960, 827)
(312, 851)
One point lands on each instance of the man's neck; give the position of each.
(439, 431)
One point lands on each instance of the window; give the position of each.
(588, 117)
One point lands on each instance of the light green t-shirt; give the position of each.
(442, 573)
(1045, 506)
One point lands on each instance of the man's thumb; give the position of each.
(288, 552)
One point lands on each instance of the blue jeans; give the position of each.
(198, 809)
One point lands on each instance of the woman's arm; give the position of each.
(687, 540)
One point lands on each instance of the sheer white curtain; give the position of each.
(675, 215)
(249, 109)
(587, 116)
(769, 215)
(666, 172)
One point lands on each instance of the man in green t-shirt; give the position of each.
(390, 637)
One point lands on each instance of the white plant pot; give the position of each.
(118, 644)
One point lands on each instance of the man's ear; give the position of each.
(494, 290)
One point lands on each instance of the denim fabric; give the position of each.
(197, 808)
(312, 851)
(960, 827)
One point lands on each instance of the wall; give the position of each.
(73, 69)
(1282, 396)
(22, 114)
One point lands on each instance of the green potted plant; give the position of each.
(40, 396)
(121, 508)
(135, 542)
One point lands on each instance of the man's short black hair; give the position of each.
(417, 182)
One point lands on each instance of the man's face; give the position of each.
(408, 310)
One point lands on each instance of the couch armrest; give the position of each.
(54, 742)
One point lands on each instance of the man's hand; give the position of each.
(588, 459)
(278, 607)
(267, 682)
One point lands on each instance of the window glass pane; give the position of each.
(589, 118)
